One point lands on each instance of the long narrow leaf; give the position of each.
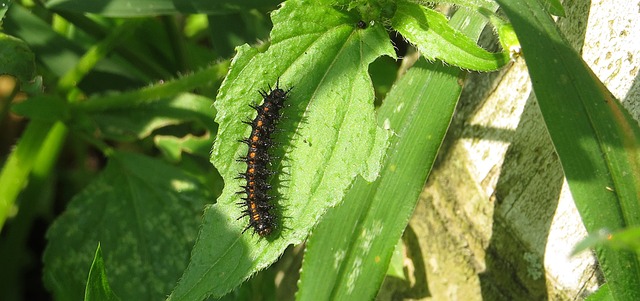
(56, 52)
(15, 172)
(596, 139)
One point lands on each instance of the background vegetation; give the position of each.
(124, 102)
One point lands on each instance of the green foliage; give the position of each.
(97, 284)
(336, 140)
(554, 7)
(349, 174)
(144, 213)
(123, 8)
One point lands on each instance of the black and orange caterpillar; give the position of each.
(257, 203)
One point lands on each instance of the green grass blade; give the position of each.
(144, 96)
(347, 256)
(58, 53)
(138, 122)
(15, 172)
(96, 53)
(596, 139)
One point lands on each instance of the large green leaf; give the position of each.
(330, 136)
(596, 139)
(348, 254)
(145, 215)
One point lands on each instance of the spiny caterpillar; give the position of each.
(258, 203)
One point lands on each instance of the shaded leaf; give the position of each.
(145, 215)
(137, 122)
(16, 58)
(43, 107)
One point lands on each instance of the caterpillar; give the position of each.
(257, 202)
